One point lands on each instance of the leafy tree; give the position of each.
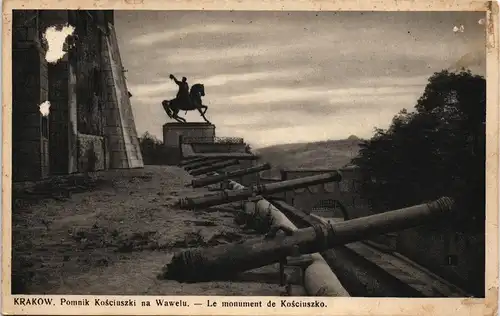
(436, 150)
(248, 149)
(152, 149)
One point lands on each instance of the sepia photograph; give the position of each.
(247, 153)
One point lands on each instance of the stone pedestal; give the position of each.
(173, 131)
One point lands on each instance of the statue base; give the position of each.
(173, 131)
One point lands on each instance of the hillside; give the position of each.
(328, 154)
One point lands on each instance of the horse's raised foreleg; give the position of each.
(205, 108)
(166, 107)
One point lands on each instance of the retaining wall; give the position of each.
(328, 197)
(457, 257)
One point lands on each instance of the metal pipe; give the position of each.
(197, 183)
(200, 164)
(191, 160)
(235, 155)
(228, 196)
(363, 277)
(204, 264)
(214, 167)
(319, 279)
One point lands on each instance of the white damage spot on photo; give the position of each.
(457, 29)
(55, 37)
(45, 108)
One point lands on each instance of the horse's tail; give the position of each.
(166, 107)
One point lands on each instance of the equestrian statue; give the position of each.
(187, 100)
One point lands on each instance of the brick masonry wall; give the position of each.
(346, 192)
(172, 132)
(59, 114)
(91, 153)
(112, 126)
(62, 81)
(89, 83)
(30, 89)
(41, 145)
(432, 248)
(120, 126)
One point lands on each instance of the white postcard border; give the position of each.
(335, 306)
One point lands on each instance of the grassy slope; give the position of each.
(328, 154)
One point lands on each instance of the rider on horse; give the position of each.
(185, 100)
(183, 93)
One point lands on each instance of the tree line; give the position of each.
(152, 149)
(436, 150)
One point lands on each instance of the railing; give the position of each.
(212, 140)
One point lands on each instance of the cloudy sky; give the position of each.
(285, 77)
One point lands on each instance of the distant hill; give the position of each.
(330, 154)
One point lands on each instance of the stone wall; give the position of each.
(59, 96)
(458, 257)
(30, 130)
(119, 128)
(329, 195)
(77, 89)
(172, 133)
(89, 79)
(91, 153)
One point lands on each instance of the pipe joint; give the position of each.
(443, 204)
(324, 235)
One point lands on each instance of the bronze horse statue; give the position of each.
(174, 106)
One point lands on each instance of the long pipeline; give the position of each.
(186, 162)
(228, 196)
(214, 167)
(196, 183)
(359, 275)
(204, 264)
(200, 164)
(319, 280)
